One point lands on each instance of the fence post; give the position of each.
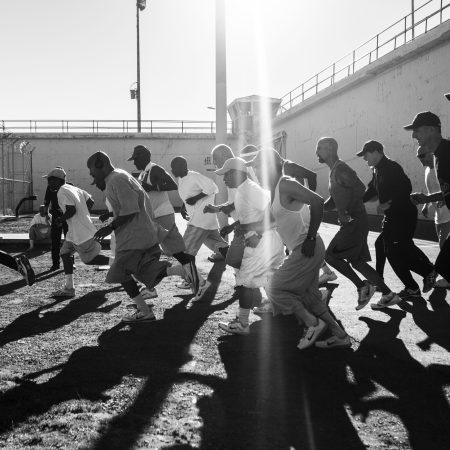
(353, 64)
(376, 52)
(334, 73)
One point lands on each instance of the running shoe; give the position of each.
(311, 334)
(409, 293)
(215, 257)
(183, 285)
(234, 327)
(327, 277)
(64, 293)
(365, 294)
(429, 281)
(334, 341)
(442, 283)
(25, 269)
(192, 277)
(147, 293)
(390, 299)
(138, 317)
(202, 290)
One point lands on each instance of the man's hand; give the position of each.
(191, 201)
(418, 198)
(344, 218)
(308, 248)
(252, 241)
(211, 208)
(102, 233)
(59, 221)
(148, 187)
(425, 210)
(227, 209)
(184, 213)
(226, 230)
(105, 216)
(385, 206)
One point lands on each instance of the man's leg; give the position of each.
(442, 265)
(56, 244)
(380, 255)
(8, 261)
(68, 290)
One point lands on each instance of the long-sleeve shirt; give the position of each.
(442, 165)
(390, 184)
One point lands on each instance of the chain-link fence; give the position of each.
(16, 173)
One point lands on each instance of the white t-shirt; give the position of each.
(191, 185)
(81, 228)
(159, 199)
(251, 201)
(39, 220)
(441, 212)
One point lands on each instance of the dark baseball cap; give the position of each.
(425, 118)
(139, 150)
(371, 146)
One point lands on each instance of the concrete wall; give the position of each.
(71, 151)
(375, 103)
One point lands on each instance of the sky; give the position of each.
(65, 60)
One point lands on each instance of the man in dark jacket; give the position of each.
(393, 188)
(426, 129)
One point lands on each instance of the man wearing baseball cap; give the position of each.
(263, 253)
(392, 187)
(426, 130)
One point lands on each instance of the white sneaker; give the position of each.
(202, 290)
(64, 293)
(442, 283)
(147, 293)
(183, 285)
(139, 316)
(311, 334)
(334, 341)
(234, 327)
(364, 295)
(390, 299)
(327, 277)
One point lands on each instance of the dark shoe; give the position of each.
(409, 293)
(54, 267)
(24, 267)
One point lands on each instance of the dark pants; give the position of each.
(56, 238)
(403, 255)
(442, 265)
(7, 260)
(380, 255)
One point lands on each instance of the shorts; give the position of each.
(173, 242)
(87, 251)
(350, 242)
(194, 237)
(143, 264)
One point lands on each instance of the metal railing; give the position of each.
(111, 126)
(423, 19)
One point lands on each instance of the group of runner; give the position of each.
(276, 245)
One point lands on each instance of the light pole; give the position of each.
(221, 74)
(140, 6)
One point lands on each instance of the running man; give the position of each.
(348, 250)
(156, 182)
(137, 235)
(392, 188)
(263, 253)
(294, 287)
(197, 191)
(76, 204)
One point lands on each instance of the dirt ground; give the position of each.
(73, 377)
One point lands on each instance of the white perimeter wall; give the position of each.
(72, 151)
(375, 103)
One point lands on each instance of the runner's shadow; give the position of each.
(42, 319)
(434, 323)
(415, 393)
(274, 396)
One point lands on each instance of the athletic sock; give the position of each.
(243, 316)
(69, 281)
(141, 305)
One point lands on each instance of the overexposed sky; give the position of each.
(76, 59)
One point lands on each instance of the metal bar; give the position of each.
(412, 18)
(138, 69)
(376, 54)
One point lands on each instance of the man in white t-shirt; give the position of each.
(76, 205)
(197, 191)
(441, 212)
(40, 227)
